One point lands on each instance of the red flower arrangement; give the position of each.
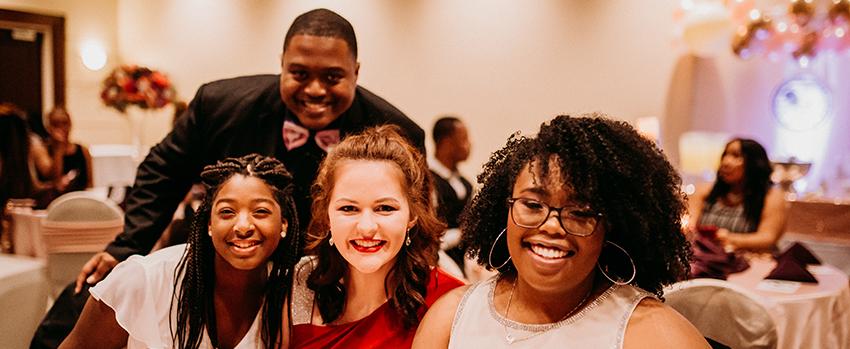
(139, 86)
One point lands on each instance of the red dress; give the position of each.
(380, 329)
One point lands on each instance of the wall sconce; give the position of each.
(93, 55)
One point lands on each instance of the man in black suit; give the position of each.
(295, 117)
(453, 190)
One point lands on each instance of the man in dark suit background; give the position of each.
(453, 191)
(295, 116)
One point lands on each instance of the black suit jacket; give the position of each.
(449, 206)
(228, 118)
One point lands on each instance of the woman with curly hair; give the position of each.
(582, 223)
(373, 241)
(226, 288)
(743, 205)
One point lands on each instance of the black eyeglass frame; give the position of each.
(597, 216)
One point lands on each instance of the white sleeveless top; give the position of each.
(139, 290)
(601, 324)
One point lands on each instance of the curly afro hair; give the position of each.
(607, 165)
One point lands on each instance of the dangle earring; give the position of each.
(330, 239)
(209, 232)
(283, 234)
(407, 238)
(618, 281)
(492, 247)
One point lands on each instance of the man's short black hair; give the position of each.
(444, 127)
(323, 22)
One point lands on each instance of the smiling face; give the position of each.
(245, 223)
(547, 257)
(369, 214)
(318, 80)
(732, 164)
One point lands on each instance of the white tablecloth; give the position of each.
(113, 165)
(26, 232)
(813, 316)
(23, 299)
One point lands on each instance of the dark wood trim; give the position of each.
(57, 33)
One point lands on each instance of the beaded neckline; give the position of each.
(540, 327)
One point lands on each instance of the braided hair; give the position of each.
(407, 281)
(609, 166)
(195, 310)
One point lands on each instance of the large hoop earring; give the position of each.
(492, 247)
(619, 281)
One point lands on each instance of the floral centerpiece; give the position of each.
(131, 85)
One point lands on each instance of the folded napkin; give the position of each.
(710, 260)
(800, 253)
(790, 269)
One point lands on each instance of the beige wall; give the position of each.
(84, 20)
(502, 65)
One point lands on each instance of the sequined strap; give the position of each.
(302, 296)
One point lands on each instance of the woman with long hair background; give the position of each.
(742, 205)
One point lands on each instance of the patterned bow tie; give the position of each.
(295, 135)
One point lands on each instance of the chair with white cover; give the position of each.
(78, 225)
(724, 312)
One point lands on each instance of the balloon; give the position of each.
(801, 11)
(844, 43)
(839, 12)
(831, 37)
(750, 40)
(741, 46)
(775, 45)
(807, 46)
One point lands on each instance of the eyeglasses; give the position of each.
(576, 220)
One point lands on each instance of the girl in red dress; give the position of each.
(372, 245)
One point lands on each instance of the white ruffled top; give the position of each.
(140, 289)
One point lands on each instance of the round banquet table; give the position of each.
(810, 316)
(23, 299)
(26, 232)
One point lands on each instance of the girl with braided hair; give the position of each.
(374, 238)
(582, 224)
(226, 288)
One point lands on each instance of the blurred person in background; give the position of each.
(451, 147)
(742, 208)
(71, 161)
(16, 178)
